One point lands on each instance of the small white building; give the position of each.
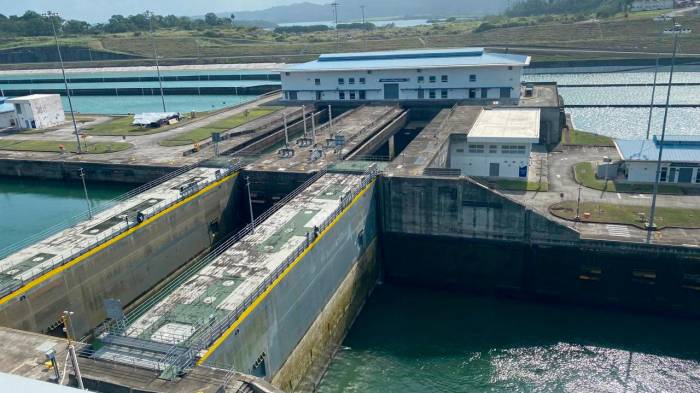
(498, 145)
(7, 114)
(434, 74)
(680, 162)
(38, 110)
(649, 5)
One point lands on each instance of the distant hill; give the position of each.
(544, 7)
(349, 10)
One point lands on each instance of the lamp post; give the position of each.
(578, 205)
(51, 15)
(250, 205)
(335, 5)
(653, 89)
(87, 198)
(652, 215)
(150, 16)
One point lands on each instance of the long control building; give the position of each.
(444, 74)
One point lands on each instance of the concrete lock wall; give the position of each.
(66, 170)
(281, 321)
(127, 268)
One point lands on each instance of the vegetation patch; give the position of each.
(608, 213)
(200, 134)
(583, 138)
(55, 146)
(584, 174)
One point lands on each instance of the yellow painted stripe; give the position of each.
(279, 279)
(37, 281)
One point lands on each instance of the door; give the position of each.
(685, 175)
(391, 91)
(494, 169)
(318, 96)
(505, 92)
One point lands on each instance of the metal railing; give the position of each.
(181, 357)
(87, 245)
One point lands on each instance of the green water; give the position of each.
(30, 206)
(414, 340)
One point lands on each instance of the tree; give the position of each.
(211, 19)
(76, 27)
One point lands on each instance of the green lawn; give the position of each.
(517, 185)
(627, 214)
(585, 175)
(582, 138)
(200, 134)
(54, 146)
(121, 126)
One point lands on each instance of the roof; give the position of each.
(19, 384)
(511, 124)
(427, 58)
(677, 148)
(31, 97)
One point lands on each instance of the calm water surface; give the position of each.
(413, 340)
(30, 206)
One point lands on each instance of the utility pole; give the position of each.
(364, 27)
(286, 132)
(250, 205)
(150, 16)
(578, 205)
(653, 89)
(68, 327)
(87, 199)
(335, 5)
(51, 15)
(652, 215)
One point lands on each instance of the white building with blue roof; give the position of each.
(432, 74)
(680, 162)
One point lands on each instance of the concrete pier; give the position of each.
(119, 253)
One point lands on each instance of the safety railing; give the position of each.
(98, 239)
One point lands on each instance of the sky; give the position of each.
(101, 10)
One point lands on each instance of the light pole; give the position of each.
(87, 199)
(578, 205)
(364, 27)
(51, 15)
(150, 16)
(652, 215)
(335, 5)
(250, 205)
(653, 89)
(68, 326)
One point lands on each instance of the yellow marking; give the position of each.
(272, 286)
(24, 289)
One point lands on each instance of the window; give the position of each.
(351, 81)
(363, 95)
(697, 176)
(484, 93)
(432, 79)
(352, 95)
(286, 73)
(421, 79)
(341, 81)
(317, 82)
(510, 68)
(431, 94)
(443, 93)
(472, 93)
(460, 150)
(472, 78)
(341, 95)
(513, 149)
(493, 149)
(18, 108)
(505, 92)
(369, 71)
(421, 93)
(318, 96)
(293, 95)
(444, 79)
(664, 174)
(476, 149)
(672, 175)
(362, 81)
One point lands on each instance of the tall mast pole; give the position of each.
(155, 56)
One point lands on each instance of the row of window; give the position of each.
(680, 175)
(352, 95)
(477, 148)
(421, 79)
(341, 81)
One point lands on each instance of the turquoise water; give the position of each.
(413, 340)
(145, 84)
(138, 104)
(109, 74)
(30, 206)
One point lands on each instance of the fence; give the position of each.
(102, 237)
(179, 358)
